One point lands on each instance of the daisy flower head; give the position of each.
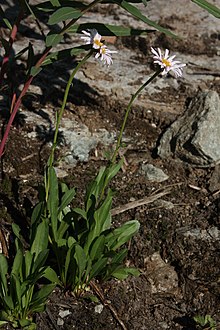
(92, 37)
(105, 55)
(167, 63)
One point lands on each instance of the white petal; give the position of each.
(159, 53)
(166, 54)
(154, 51)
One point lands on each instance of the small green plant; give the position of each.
(205, 322)
(84, 243)
(20, 294)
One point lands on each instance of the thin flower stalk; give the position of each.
(59, 117)
(133, 97)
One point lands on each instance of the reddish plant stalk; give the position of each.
(18, 102)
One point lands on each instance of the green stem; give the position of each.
(58, 120)
(133, 97)
(60, 114)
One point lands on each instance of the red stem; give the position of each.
(18, 102)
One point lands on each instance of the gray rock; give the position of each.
(153, 173)
(195, 136)
(162, 277)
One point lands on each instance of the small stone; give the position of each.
(99, 308)
(153, 173)
(60, 321)
(65, 313)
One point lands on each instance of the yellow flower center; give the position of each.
(97, 42)
(166, 62)
(103, 50)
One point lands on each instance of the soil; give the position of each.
(177, 247)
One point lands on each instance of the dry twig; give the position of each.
(139, 202)
(101, 297)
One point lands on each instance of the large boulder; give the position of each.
(195, 135)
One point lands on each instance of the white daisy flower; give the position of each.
(105, 54)
(167, 62)
(92, 37)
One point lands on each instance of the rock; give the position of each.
(214, 181)
(153, 173)
(162, 276)
(195, 135)
(99, 308)
(211, 234)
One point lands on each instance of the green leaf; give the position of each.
(26, 324)
(62, 230)
(108, 29)
(103, 214)
(64, 13)
(97, 268)
(5, 20)
(113, 170)
(28, 259)
(9, 302)
(69, 257)
(3, 274)
(17, 264)
(51, 275)
(16, 230)
(34, 71)
(215, 11)
(97, 248)
(80, 212)
(41, 296)
(71, 240)
(15, 288)
(61, 242)
(123, 273)
(137, 13)
(40, 242)
(49, 7)
(3, 322)
(66, 199)
(121, 235)
(81, 260)
(40, 260)
(53, 200)
(37, 212)
(52, 39)
(55, 3)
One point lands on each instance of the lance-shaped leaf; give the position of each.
(65, 54)
(5, 20)
(108, 29)
(64, 13)
(47, 6)
(41, 239)
(55, 3)
(215, 11)
(137, 13)
(52, 39)
(3, 274)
